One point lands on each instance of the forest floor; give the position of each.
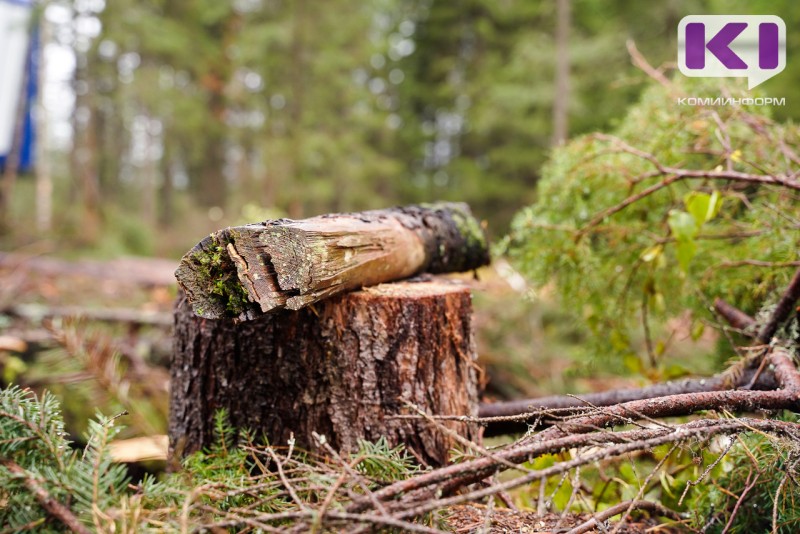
(479, 518)
(116, 318)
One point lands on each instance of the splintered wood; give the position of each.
(244, 271)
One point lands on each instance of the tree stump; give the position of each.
(341, 368)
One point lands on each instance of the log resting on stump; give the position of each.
(340, 369)
(244, 271)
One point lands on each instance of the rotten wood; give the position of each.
(341, 369)
(244, 271)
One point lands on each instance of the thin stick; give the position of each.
(643, 487)
(775, 504)
(285, 481)
(47, 501)
(705, 473)
(748, 487)
(627, 507)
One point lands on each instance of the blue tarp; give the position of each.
(28, 141)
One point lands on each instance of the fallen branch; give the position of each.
(423, 487)
(688, 403)
(735, 317)
(109, 315)
(624, 507)
(579, 432)
(50, 504)
(150, 272)
(529, 410)
(244, 271)
(782, 310)
(417, 503)
(673, 175)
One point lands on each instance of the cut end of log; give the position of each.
(208, 275)
(244, 271)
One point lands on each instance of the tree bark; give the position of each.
(244, 271)
(341, 369)
(561, 97)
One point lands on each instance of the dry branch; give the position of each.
(735, 317)
(244, 271)
(624, 507)
(416, 503)
(47, 501)
(579, 431)
(562, 403)
(149, 272)
(110, 315)
(782, 310)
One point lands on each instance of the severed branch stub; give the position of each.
(244, 271)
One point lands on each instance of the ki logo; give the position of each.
(737, 46)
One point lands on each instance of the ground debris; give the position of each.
(472, 518)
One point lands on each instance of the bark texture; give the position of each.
(244, 271)
(340, 369)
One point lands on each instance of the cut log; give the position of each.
(341, 368)
(148, 272)
(244, 271)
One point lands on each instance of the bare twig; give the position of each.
(640, 62)
(775, 504)
(643, 487)
(418, 489)
(353, 474)
(748, 486)
(675, 174)
(627, 507)
(705, 473)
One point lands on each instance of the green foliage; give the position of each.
(764, 464)
(233, 480)
(382, 463)
(618, 262)
(35, 449)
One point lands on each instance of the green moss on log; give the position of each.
(217, 274)
(470, 229)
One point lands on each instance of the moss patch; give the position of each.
(218, 273)
(469, 227)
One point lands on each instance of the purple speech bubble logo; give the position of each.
(752, 46)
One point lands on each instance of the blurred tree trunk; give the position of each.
(44, 177)
(85, 150)
(211, 187)
(296, 103)
(150, 178)
(561, 98)
(165, 207)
